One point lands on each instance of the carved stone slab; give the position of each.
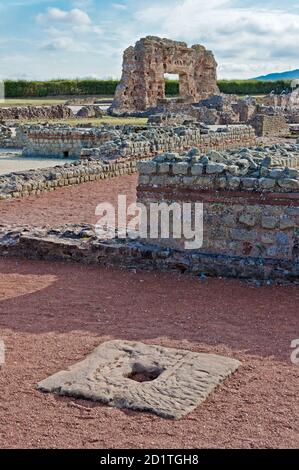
(165, 381)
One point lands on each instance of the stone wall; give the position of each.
(143, 84)
(250, 201)
(33, 182)
(265, 125)
(13, 138)
(153, 141)
(80, 244)
(64, 141)
(113, 142)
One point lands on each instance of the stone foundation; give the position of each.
(80, 244)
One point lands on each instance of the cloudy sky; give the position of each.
(42, 39)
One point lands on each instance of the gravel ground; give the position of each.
(53, 314)
(72, 204)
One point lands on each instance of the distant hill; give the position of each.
(290, 75)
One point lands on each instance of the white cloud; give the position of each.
(119, 6)
(253, 39)
(63, 43)
(74, 16)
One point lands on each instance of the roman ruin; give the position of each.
(142, 84)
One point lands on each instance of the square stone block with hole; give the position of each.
(165, 381)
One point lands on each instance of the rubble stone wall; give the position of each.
(62, 141)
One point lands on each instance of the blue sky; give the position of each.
(42, 39)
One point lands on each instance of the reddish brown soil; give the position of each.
(53, 314)
(72, 204)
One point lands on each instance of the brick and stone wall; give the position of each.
(250, 202)
(54, 141)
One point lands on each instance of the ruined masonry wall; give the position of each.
(185, 139)
(105, 145)
(143, 84)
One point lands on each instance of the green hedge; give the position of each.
(32, 89)
(253, 87)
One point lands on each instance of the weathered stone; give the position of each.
(180, 168)
(197, 169)
(269, 222)
(248, 219)
(288, 183)
(167, 382)
(147, 168)
(266, 183)
(286, 222)
(215, 168)
(163, 168)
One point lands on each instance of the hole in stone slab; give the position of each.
(141, 373)
(66, 154)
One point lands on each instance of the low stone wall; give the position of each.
(173, 139)
(27, 183)
(64, 141)
(112, 142)
(266, 125)
(11, 139)
(80, 244)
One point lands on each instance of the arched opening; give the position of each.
(172, 88)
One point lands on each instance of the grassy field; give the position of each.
(106, 119)
(48, 100)
(33, 101)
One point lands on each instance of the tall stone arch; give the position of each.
(142, 84)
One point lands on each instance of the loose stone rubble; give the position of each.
(229, 109)
(167, 382)
(90, 111)
(143, 84)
